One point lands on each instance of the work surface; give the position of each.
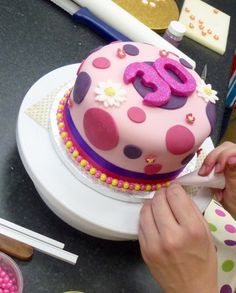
(35, 38)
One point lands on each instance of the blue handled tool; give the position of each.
(84, 16)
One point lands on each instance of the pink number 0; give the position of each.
(159, 78)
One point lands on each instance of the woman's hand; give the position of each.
(223, 158)
(176, 243)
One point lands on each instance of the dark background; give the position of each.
(35, 38)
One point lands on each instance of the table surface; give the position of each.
(35, 38)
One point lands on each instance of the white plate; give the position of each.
(73, 201)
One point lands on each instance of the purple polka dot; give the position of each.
(136, 115)
(132, 151)
(187, 159)
(100, 129)
(230, 242)
(226, 289)
(101, 63)
(173, 103)
(131, 50)
(220, 213)
(230, 228)
(81, 87)
(179, 140)
(211, 115)
(185, 63)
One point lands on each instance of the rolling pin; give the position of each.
(15, 248)
(125, 23)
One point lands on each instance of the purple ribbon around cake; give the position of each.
(109, 166)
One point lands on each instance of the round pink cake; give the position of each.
(136, 115)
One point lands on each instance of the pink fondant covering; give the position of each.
(163, 133)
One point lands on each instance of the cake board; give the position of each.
(71, 200)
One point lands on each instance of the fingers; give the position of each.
(218, 158)
(163, 216)
(181, 205)
(147, 226)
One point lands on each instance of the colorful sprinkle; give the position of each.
(164, 53)
(216, 37)
(190, 118)
(192, 17)
(101, 63)
(121, 53)
(191, 25)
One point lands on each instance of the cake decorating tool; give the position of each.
(84, 16)
(120, 19)
(153, 13)
(37, 241)
(213, 180)
(15, 248)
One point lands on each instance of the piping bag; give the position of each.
(204, 184)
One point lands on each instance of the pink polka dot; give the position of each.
(230, 228)
(136, 115)
(152, 169)
(219, 213)
(179, 140)
(101, 62)
(100, 129)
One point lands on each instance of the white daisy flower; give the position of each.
(110, 94)
(206, 92)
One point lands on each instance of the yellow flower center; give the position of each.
(207, 91)
(110, 91)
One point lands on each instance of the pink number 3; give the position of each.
(161, 81)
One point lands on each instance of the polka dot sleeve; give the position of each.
(223, 229)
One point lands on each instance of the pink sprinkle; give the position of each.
(109, 180)
(88, 167)
(153, 187)
(62, 129)
(131, 186)
(142, 187)
(101, 63)
(59, 110)
(120, 183)
(66, 139)
(79, 158)
(98, 174)
(71, 149)
(60, 119)
(220, 213)
(230, 228)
